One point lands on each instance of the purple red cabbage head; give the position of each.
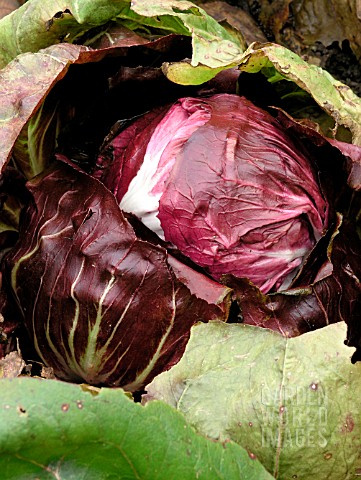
(223, 181)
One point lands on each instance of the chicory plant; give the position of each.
(224, 182)
(257, 201)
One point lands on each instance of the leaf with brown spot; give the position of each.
(51, 429)
(286, 399)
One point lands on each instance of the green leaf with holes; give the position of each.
(55, 430)
(293, 402)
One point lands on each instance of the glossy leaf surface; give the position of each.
(100, 305)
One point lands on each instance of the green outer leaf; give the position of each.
(213, 45)
(34, 26)
(294, 402)
(50, 429)
(335, 98)
(184, 73)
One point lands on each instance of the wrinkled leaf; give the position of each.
(328, 21)
(50, 429)
(203, 207)
(326, 290)
(100, 305)
(237, 17)
(293, 402)
(213, 45)
(325, 21)
(219, 211)
(40, 23)
(335, 98)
